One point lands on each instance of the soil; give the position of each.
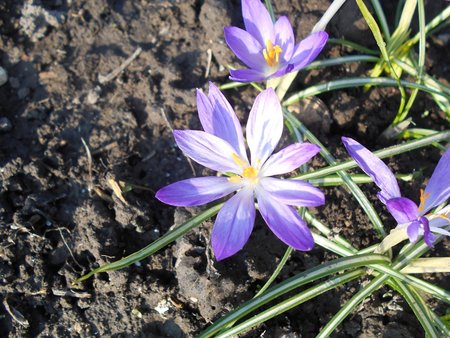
(59, 219)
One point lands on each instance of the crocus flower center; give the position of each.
(272, 53)
(251, 174)
(423, 197)
(248, 172)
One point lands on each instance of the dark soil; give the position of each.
(58, 220)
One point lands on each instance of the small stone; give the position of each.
(23, 92)
(14, 82)
(33, 114)
(93, 96)
(5, 125)
(3, 76)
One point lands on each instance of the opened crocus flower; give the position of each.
(268, 49)
(221, 147)
(406, 212)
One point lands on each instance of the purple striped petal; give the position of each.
(436, 227)
(257, 21)
(308, 49)
(439, 220)
(284, 37)
(218, 118)
(233, 225)
(264, 127)
(375, 168)
(403, 209)
(289, 158)
(245, 46)
(247, 75)
(196, 191)
(413, 231)
(284, 221)
(438, 187)
(207, 150)
(428, 237)
(293, 192)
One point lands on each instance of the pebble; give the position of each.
(14, 82)
(3, 76)
(93, 95)
(5, 125)
(23, 92)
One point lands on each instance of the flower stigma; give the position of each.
(272, 53)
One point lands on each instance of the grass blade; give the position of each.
(356, 82)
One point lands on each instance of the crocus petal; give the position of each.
(196, 191)
(247, 75)
(375, 168)
(207, 149)
(289, 158)
(245, 46)
(413, 231)
(264, 127)
(439, 220)
(308, 49)
(439, 230)
(402, 209)
(284, 221)
(233, 225)
(293, 192)
(438, 186)
(257, 21)
(428, 237)
(218, 118)
(284, 37)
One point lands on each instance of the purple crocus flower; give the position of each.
(221, 147)
(269, 49)
(406, 212)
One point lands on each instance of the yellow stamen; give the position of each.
(239, 161)
(235, 179)
(272, 53)
(251, 174)
(248, 172)
(423, 197)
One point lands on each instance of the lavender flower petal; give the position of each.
(293, 192)
(218, 118)
(264, 126)
(207, 149)
(436, 227)
(428, 237)
(402, 209)
(375, 168)
(413, 231)
(285, 222)
(245, 46)
(233, 225)
(289, 158)
(439, 220)
(247, 75)
(438, 187)
(196, 191)
(284, 37)
(308, 49)
(257, 21)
